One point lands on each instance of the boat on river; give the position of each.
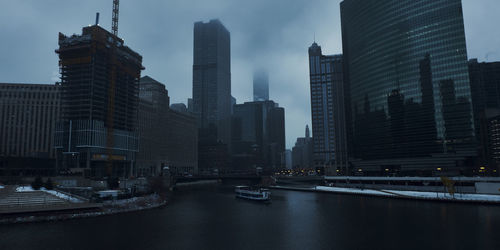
(253, 193)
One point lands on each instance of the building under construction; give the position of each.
(97, 132)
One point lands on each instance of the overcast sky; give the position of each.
(270, 33)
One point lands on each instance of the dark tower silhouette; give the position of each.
(427, 112)
(396, 103)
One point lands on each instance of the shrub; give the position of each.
(157, 186)
(113, 182)
(37, 183)
(49, 185)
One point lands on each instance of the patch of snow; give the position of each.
(446, 196)
(1, 186)
(53, 192)
(353, 191)
(414, 194)
(25, 189)
(63, 196)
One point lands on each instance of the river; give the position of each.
(211, 218)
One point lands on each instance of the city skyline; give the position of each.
(171, 132)
(282, 44)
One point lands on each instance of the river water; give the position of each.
(211, 218)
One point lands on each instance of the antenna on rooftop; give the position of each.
(97, 18)
(114, 20)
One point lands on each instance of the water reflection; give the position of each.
(215, 219)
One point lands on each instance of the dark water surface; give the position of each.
(214, 219)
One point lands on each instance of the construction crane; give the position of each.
(114, 20)
(112, 92)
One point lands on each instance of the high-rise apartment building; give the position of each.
(260, 86)
(328, 111)
(100, 88)
(212, 80)
(407, 86)
(28, 115)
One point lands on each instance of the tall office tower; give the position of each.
(260, 86)
(28, 114)
(212, 80)
(328, 111)
(276, 135)
(100, 88)
(407, 86)
(258, 135)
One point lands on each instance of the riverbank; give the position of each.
(106, 208)
(397, 194)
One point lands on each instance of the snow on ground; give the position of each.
(1, 186)
(25, 189)
(415, 194)
(63, 196)
(353, 191)
(446, 196)
(52, 192)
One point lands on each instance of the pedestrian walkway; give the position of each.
(11, 200)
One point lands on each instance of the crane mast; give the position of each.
(110, 143)
(116, 10)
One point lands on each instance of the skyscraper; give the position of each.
(258, 134)
(260, 86)
(212, 80)
(407, 85)
(328, 115)
(100, 88)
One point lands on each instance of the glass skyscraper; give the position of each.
(212, 79)
(407, 84)
(260, 86)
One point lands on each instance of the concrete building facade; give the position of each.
(28, 115)
(167, 137)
